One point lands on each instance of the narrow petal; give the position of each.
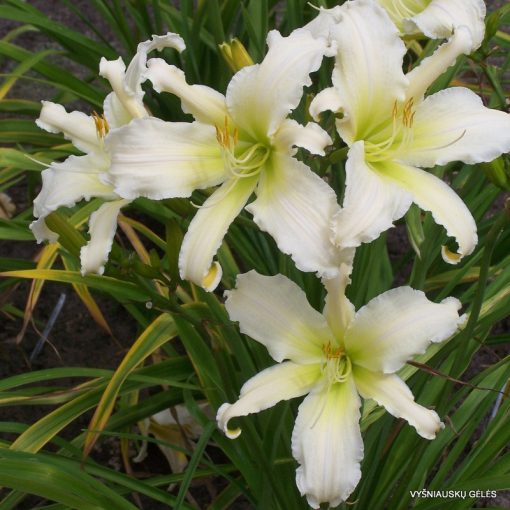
(338, 310)
(397, 325)
(115, 72)
(207, 230)
(430, 68)
(274, 311)
(372, 202)
(296, 207)
(454, 125)
(157, 159)
(327, 443)
(137, 69)
(280, 382)
(432, 194)
(389, 391)
(368, 70)
(310, 137)
(260, 97)
(102, 227)
(76, 178)
(204, 103)
(75, 126)
(441, 17)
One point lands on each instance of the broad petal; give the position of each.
(296, 207)
(274, 311)
(204, 103)
(368, 71)
(207, 230)
(42, 232)
(280, 382)
(338, 310)
(75, 126)
(389, 391)
(395, 326)
(441, 17)
(454, 125)
(430, 68)
(156, 159)
(76, 178)
(371, 203)
(327, 443)
(102, 228)
(261, 96)
(432, 194)
(310, 137)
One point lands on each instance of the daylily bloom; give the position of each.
(245, 142)
(392, 129)
(81, 177)
(438, 19)
(333, 358)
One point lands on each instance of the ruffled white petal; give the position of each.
(76, 178)
(157, 159)
(432, 194)
(137, 69)
(280, 382)
(322, 24)
(114, 112)
(422, 77)
(310, 137)
(328, 99)
(42, 232)
(296, 207)
(204, 103)
(260, 97)
(371, 203)
(441, 17)
(75, 126)
(207, 230)
(327, 443)
(368, 71)
(397, 325)
(389, 391)
(274, 311)
(102, 227)
(338, 310)
(115, 72)
(454, 125)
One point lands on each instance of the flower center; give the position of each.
(337, 365)
(240, 159)
(399, 137)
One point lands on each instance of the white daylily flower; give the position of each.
(333, 358)
(81, 177)
(392, 129)
(245, 142)
(438, 19)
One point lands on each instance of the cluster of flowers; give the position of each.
(245, 143)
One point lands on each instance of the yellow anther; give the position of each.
(102, 127)
(332, 353)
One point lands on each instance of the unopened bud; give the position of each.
(235, 55)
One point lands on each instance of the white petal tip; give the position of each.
(449, 256)
(223, 422)
(213, 277)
